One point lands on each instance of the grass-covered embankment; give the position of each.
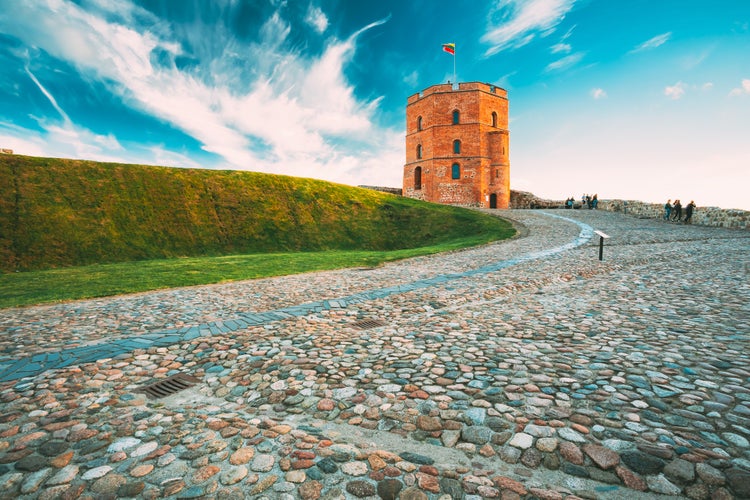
(74, 229)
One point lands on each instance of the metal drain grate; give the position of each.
(366, 324)
(168, 386)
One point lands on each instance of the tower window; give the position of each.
(419, 123)
(418, 178)
(494, 119)
(457, 147)
(456, 117)
(456, 171)
(419, 151)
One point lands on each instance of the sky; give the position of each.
(635, 99)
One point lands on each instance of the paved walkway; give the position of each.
(520, 369)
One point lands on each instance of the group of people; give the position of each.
(673, 212)
(586, 201)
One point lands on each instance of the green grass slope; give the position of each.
(58, 213)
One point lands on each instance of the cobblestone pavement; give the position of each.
(521, 369)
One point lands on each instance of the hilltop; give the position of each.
(61, 212)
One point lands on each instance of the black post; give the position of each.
(601, 247)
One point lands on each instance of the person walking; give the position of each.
(689, 211)
(667, 209)
(677, 209)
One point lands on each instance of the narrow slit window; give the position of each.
(418, 178)
(456, 171)
(457, 147)
(456, 117)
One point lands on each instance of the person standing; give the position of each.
(689, 211)
(677, 209)
(667, 209)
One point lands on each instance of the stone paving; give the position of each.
(521, 369)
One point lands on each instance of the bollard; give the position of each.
(602, 237)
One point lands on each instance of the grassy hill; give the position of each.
(58, 213)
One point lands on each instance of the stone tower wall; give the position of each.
(484, 155)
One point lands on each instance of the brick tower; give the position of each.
(457, 145)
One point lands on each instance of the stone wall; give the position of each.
(524, 199)
(703, 216)
(396, 191)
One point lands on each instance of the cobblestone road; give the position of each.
(522, 369)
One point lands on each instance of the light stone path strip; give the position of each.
(557, 377)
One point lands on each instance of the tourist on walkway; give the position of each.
(689, 211)
(667, 209)
(594, 201)
(677, 209)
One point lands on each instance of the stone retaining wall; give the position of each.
(396, 191)
(524, 199)
(704, 216)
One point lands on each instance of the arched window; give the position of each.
(418, 178)
(456, 171)
(419, 151)
(419, 123)
(457, 147)
(456, 117)
(494, 119)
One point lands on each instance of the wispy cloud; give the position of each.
(261, 104)
(743, 89)
(515, 23)
(317, 18)
(598, 93)
(565, 62)
(49, 96)
(78, 142)
(560, 48)
(675, 91)
(652, 43)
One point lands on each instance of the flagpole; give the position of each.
(454, 65)
(451, 49)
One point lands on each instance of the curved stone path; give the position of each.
(522, 369)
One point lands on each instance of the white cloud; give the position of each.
(598, 93)
(259, 105)
(21, 140)
(675, 91)
(565, 62)
(164, 157)
(653, 43)
(411, 79)
(521, 21)
(743, 89)
(76, 141)
(560, 48)
(60, 139)
(316, 18)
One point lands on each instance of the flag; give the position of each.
(450, 48)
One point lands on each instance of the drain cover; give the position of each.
(168, 386)
(366, 324)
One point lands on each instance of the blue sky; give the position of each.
(637, 99)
